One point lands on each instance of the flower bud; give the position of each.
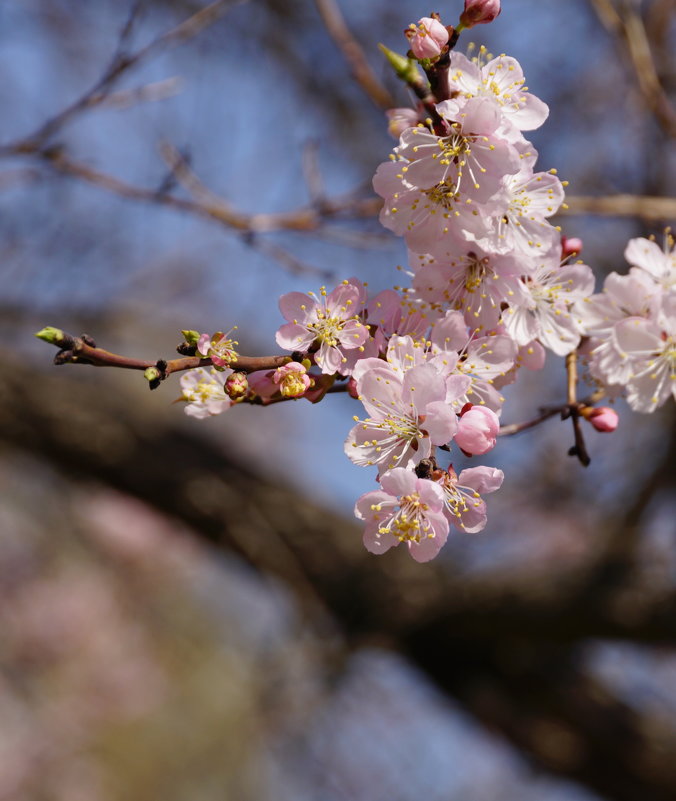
(54, 336)
(190, 336)
(427, 37)
(236, 385)
(570, 247)
(292, 379)
(477, 430)
(479, 12)
(602, 418)
(352, 390)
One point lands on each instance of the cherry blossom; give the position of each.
(659, 263)
(218, 347)
(502, 82)
(473, 281)
(292, 379)
(332, 321)
(463, 505)
(203, 392)
(408, 415)
(406, 509)
(650, 348)
(545, 312)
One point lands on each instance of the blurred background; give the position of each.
(186, 609)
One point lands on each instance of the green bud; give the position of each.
(152, 375)
(405, 68)
(191, 336)
(54, 336)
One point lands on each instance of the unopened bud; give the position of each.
(603, 418)
(153, 376)
(479, 12)
(570, 247)
(190, 336)
(54, 336)
(352, 390)
(236, 385)
(427, 37)
(405, 68)
(477, 431)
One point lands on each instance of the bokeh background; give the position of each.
(186, 611)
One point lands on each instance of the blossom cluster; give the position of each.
(632, 326)
(493, 287)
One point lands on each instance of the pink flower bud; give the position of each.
(352, 390)
(479, 12)
(427, 37)
(292, 379)
(602, 418)
(236, 385)
(477, 430)
(570, 247)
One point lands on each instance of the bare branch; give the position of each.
(645, 208)
(353, 53)
(120, 64)
(630, 31)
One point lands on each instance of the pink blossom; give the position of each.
(292, 379)
(427, 37)
(332, 321)
(548, 309)
(262, 384)
(463, 504)
(501, 80)
(477, 431)
(394, 314)
(479, 12)
(650, 349)
(481, 360)
(406, 509)
(219, 348)
(602, 418)
(523, 229)
(408, 414)
(469, 280)
(659, 263)
(471, 158)
(236, 385)
(203, 392)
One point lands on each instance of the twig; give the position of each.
(579, 449)
(82, 350)
(353, 53)
(628, 27)
(120, 64)
(517, 428)
(646, 208)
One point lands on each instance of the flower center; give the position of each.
(409, 524)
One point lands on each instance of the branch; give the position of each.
(646, 208)
(629, 29)
(353, 53)
(120, 64)
(83, 350)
